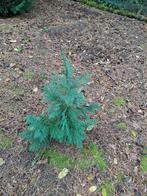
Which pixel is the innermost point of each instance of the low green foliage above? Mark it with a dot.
(28, 75)
(57, 159)
(107, 188)
(45, 29)
(18, 90)
(43, 76)
(121, 125)
(86, 159)
(15, 6)
(143, 164)
(5, 142)
(92, 156)
(98, 156)
(119, 102)
(6, 27)
(120, 177)
(19, 50)
(66, 118)
(85, 163)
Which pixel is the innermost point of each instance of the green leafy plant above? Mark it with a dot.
(66, 118)
(107, 188)
(98, 156)
(5, 142)
(119, 102)
(57, 159)
(15, 6)
(121, 125)
(87, 158)
(143, 164)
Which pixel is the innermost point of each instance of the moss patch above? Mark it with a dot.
(5, 142)
(119, 102)
(87, 158)
(121, 126)
(59, 160)
(6, 27)
(18, 90)
(107, 188)
(98, 156)
(28, 75)
(143, 164)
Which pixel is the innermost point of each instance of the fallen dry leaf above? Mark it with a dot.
(63, 173)
(92, 189)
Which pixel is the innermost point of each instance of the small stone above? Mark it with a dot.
(12, 65)
(35, 89)
(115, 161)
(92, 189)
(30, 57)
(140, 111)
(2, 162)
(13, 41)
(7, 80)
(63, 173)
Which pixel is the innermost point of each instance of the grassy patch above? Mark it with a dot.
(43, 76)
(59, 160)
(119, 102)
(112, 111)
(121, 126)
(45, 30)
(98, 156)
(18, 90)
(28, 75)
(87, 158)
(6, 27)
(85, 163)
(120, 177)
(107, 188)
(143, 164)
(5, 142)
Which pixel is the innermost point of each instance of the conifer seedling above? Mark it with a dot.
(15, 6)
(66, 118)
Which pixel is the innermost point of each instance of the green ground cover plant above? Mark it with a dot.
(5, 142)
(86, 158)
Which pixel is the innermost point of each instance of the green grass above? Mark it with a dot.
(119, 102)
(87, 158)
(28, 75)
(98, 156)
(107, 188)
(121, 126)
(105, 7)
(43, 76)
(143, 164)
(59, 160)
(18, 90)
(6, 27)
(5, 142)
(120, 177)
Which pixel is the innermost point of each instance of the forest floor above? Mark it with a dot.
(113, 49)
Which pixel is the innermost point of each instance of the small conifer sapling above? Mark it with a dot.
(14, 7)
(66, 118)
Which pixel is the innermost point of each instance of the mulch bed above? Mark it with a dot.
(112, 49)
